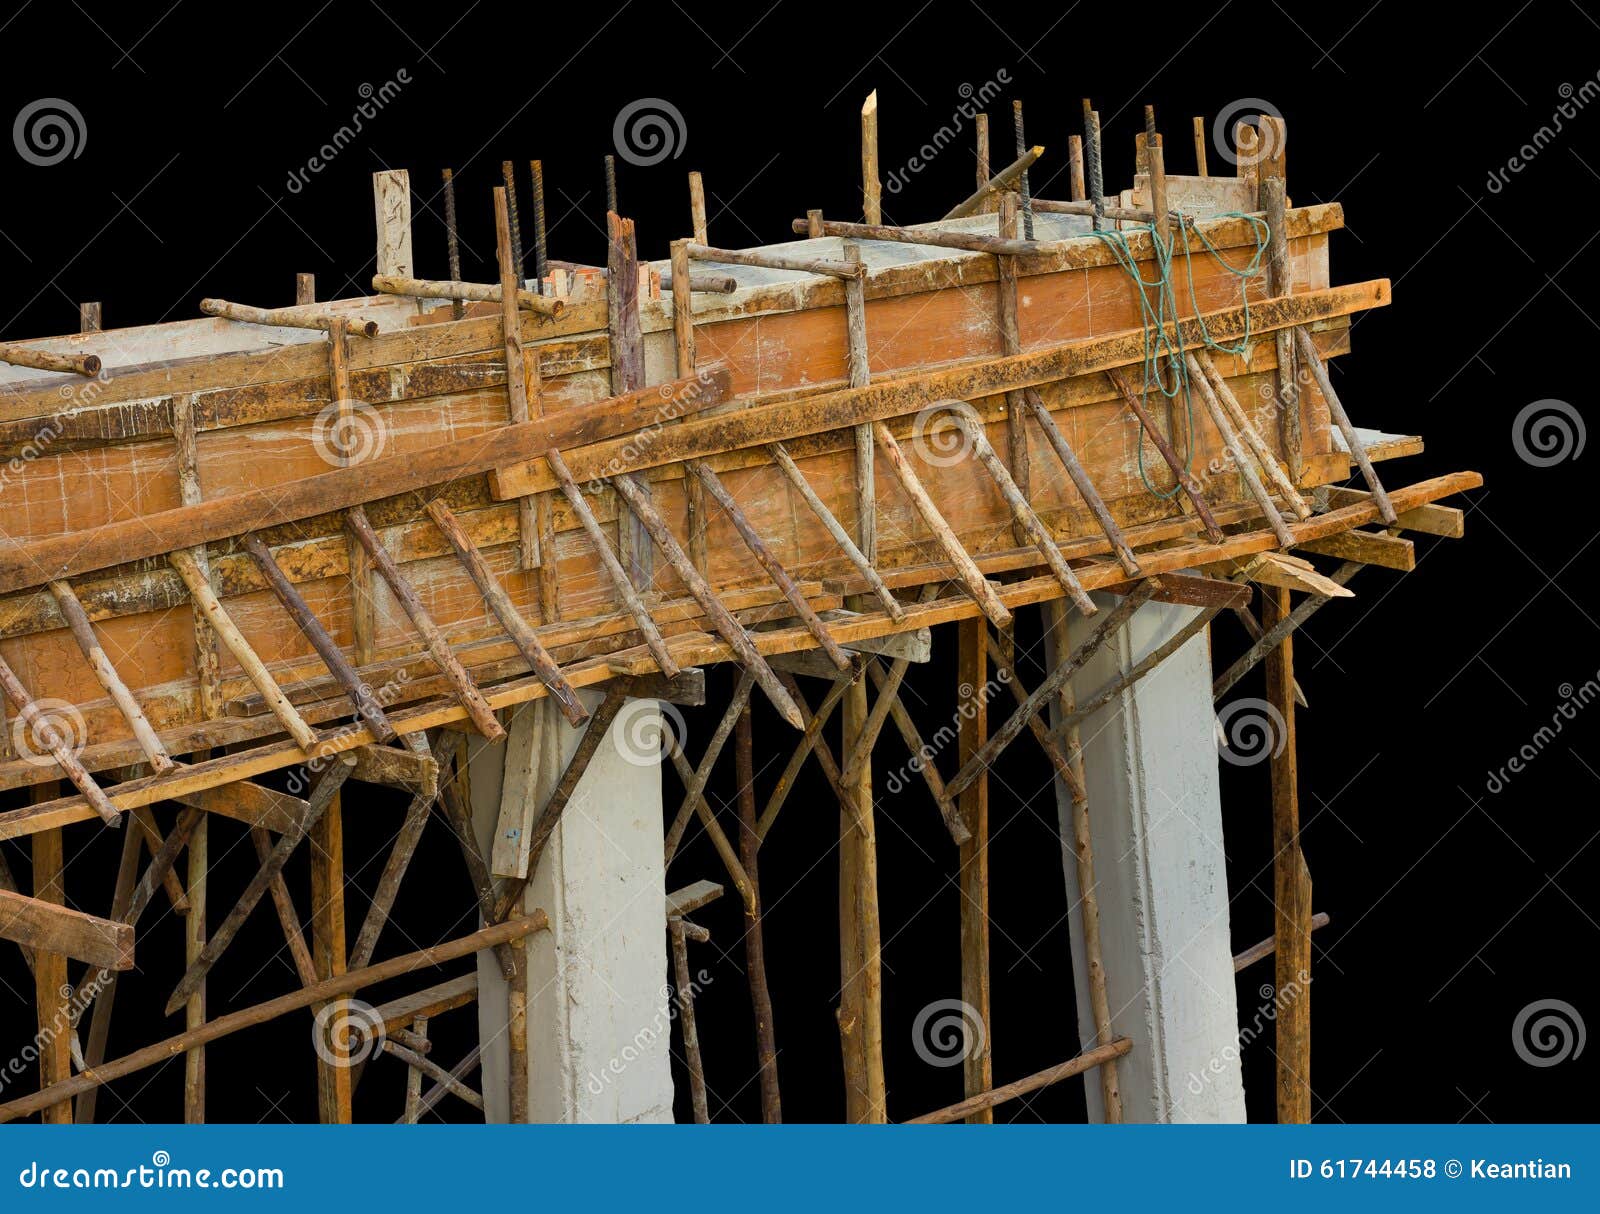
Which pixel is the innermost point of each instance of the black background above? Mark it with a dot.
(1453, 907)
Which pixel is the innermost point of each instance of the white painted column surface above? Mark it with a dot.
(598, 1025)
(1155, 812)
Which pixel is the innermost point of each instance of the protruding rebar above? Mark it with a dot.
(458, 309)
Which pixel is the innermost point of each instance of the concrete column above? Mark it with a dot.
(1155, 811)
(598, 1024)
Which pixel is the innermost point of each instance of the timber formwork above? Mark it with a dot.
(335, 538)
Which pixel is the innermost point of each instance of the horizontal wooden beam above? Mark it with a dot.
(1039, 1079)
(1369, 547)
(476, 292)
(1432, 519)
(103, 943)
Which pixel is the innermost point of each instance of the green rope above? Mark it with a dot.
(1160, 317)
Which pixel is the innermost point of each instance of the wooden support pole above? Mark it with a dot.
(320, 802)
(755, 952)
(359, 693)
(964, 1109)
(1264, 456)
(721, 619)
(1291, 883)
(288, 917)
(335, 1083)
(1075, 168)
(51, 992)
(977, 764)
(860, 370)
(686, 1020)
(228, 633)
(694, 783)
(46, 360)
(623, 328)
(46, 731)
(1006, 179)
(1263, 949)
(521, 633)
(1273, 634)
(1312, 360)
(1191, 486)
(48, 925)
(1280, 281)
(697, 208)
(620, 582)
(466, 691)
(775, 570)
(1011, 343)
(1024, 195)
(1200, 147)
(194, 943)
(966, 569)
(1057, 206)
(871, 183)
(981, 152)
(975, 242)
(949, 812)
(767, 260)
(519, 371)
(89, 318)
(684, 350)
(325, 989)
(835, 529)
(1230, 442)
(1027, 522)
(391, 204)
(1158, 189)
(394, 870)
(106, 675)
(809, 740)
(860, 1012)
(1087, 708)
(972, 677)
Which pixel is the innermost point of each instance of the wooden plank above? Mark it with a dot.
(1431, 519)
(38, 923)
(692, 897)
(1368, 547)
(429, 1002)
(36, 562)
(391, 201)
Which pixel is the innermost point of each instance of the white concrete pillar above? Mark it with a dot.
(1155, 812)
(598, 1025)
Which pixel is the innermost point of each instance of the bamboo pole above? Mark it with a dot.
(322, 991)
(466, 691)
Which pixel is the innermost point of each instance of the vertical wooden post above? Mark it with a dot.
(89, 318)
(627, 375)
(194, 941)
(683, 343)
(1280, 281)
(1200, 147)
(972, 673)
(860, 962)
(871, 186)
(362, 576)
(866, 494)
(755, 951)
(1291, 882)
(1075, 167)
(51, 992)
(328, 955)
(305, 289)
(391, 202)
(697, 208)
(1011, 343)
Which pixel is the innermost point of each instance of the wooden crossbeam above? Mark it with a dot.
(518, 629)
(1368, 547)
(466, 691)
(963, 1109)
(289, 318)
(321, 797)
(60, 929)
(1431, 519)
(360, 694)
(475, 292)
(775, 261)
